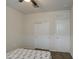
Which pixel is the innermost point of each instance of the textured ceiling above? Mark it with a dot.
(45, 5)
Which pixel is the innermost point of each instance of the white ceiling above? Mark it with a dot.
(45, 5)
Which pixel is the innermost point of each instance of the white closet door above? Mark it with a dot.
(41, 33)
(62, 38)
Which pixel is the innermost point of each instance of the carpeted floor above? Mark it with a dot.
(58, 55)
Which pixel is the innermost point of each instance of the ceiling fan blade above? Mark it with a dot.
(21, 0)
(34, 3)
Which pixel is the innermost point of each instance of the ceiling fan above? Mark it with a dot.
(33, 2)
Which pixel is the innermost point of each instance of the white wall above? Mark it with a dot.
(14, 28)
(20, 30)
(59, 29)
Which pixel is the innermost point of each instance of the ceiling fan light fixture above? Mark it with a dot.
(27, 0)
